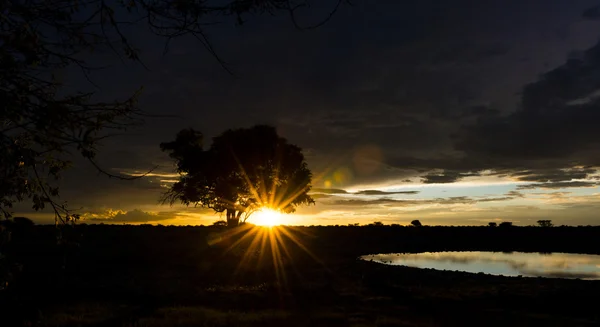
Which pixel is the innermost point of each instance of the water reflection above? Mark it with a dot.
(556, 265)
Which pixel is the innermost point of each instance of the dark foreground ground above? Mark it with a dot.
(202, 276)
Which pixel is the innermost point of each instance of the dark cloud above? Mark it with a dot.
(555, 126)
(380, 201)
(476, 111)
(445, 177)
(407, 203)
(325, 193)
(515, 194)
(592, 13)
(318, 196)
(556, 185)
(553, 175)
(504, 198)
(553, 195)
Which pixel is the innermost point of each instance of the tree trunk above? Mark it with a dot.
(232, 219)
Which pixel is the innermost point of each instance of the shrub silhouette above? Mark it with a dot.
(220, 223)
(416, 223)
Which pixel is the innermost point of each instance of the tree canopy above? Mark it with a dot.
(42, 124)
(545, 223)
(243, 171)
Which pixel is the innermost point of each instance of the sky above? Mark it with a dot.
(451, 112)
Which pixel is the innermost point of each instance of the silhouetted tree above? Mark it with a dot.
(416, 223)
(545, 223)
(244, 170)
(41, 122)
(505, 224)
(492, 224)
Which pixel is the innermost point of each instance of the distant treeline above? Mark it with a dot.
(396, 238)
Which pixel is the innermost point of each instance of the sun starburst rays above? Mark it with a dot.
(266, 192)
(276, 249)
(266, 244)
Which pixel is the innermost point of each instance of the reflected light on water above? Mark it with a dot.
(553, 265)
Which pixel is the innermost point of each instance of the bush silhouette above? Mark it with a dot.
(416, 223)
(220, 223)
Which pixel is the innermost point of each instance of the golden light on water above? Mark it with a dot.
(267, 217)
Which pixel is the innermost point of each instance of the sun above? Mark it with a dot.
(267, 217)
